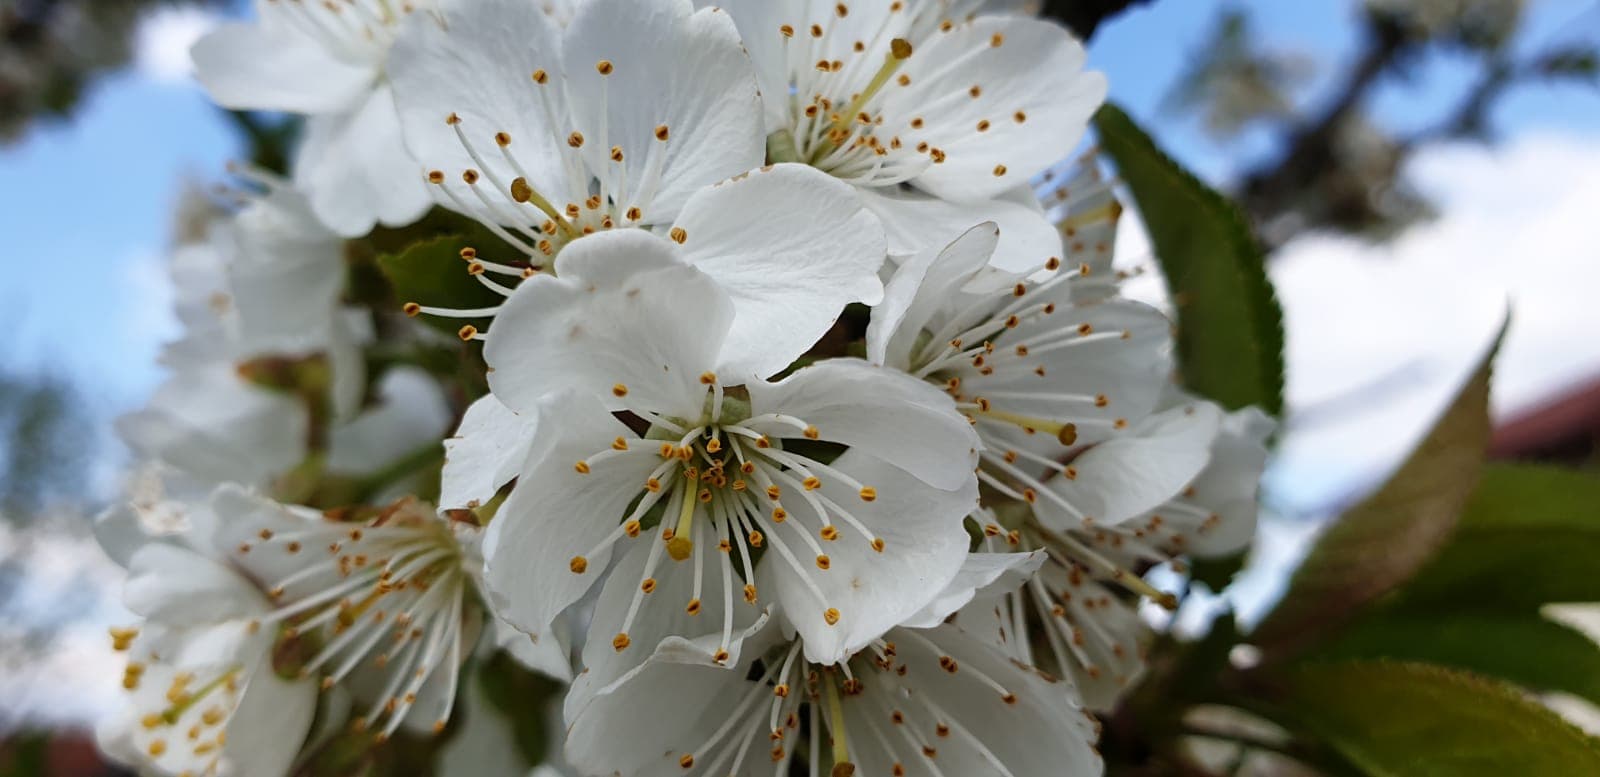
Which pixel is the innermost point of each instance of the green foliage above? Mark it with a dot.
(1384, 540)
(25, 754)
(1395, 719)
(1528, 537)
(1230, 328)
(431, 272)
(526, 699)
(1524, 649)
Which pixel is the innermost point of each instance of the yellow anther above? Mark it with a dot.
(122, 638)
(578, 565)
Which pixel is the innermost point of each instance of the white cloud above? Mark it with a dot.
(161, 48)
(1380, 335)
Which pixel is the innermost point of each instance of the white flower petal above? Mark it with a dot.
(612, 327)
(268, 68)
(356, 169)
(663, 712)
(176, 585)
(919, 287)
(242, 517)
(667, 66)
(119, 533)
(900, 420)
(548, 656)
(792, 246)
(270, 722)
(489, 449)
(1053, 111)
(211, 423)
(557, 514)
(662, 630)
(759, 22)
(915, 220)
(924, 546)
(1037, 732)
(1127, 476)
(411, 413)
(1122, 354)
(1228, 485)
(981, 575)
(479, 67)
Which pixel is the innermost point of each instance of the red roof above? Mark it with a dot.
(1568, 421)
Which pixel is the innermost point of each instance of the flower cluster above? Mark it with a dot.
(816, 433)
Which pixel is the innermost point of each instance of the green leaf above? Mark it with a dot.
(1230, 328)
(525, 697)
(1384, 540)
(1529, 536)
(1396, 719)
(1525, 649)
(431, 272)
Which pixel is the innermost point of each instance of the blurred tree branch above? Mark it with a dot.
(1085, 16)
(51, 50)
(1338, 169)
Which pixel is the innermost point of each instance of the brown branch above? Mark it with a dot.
(1312, 146)
(1085, 16)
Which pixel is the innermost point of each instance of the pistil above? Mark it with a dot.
(899, 52)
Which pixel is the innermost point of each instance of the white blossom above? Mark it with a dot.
(924, 699)
(205, 696)
(384, 603)
(715, 455)
(938, 111)
(545, 135)
(1201, 503)
(1038, 373)
(328, 61)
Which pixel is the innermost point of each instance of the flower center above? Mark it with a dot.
(361, 29)
(836, 109)
(392, 591)
(731, 483)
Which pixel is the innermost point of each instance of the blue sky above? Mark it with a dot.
(85, 206)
